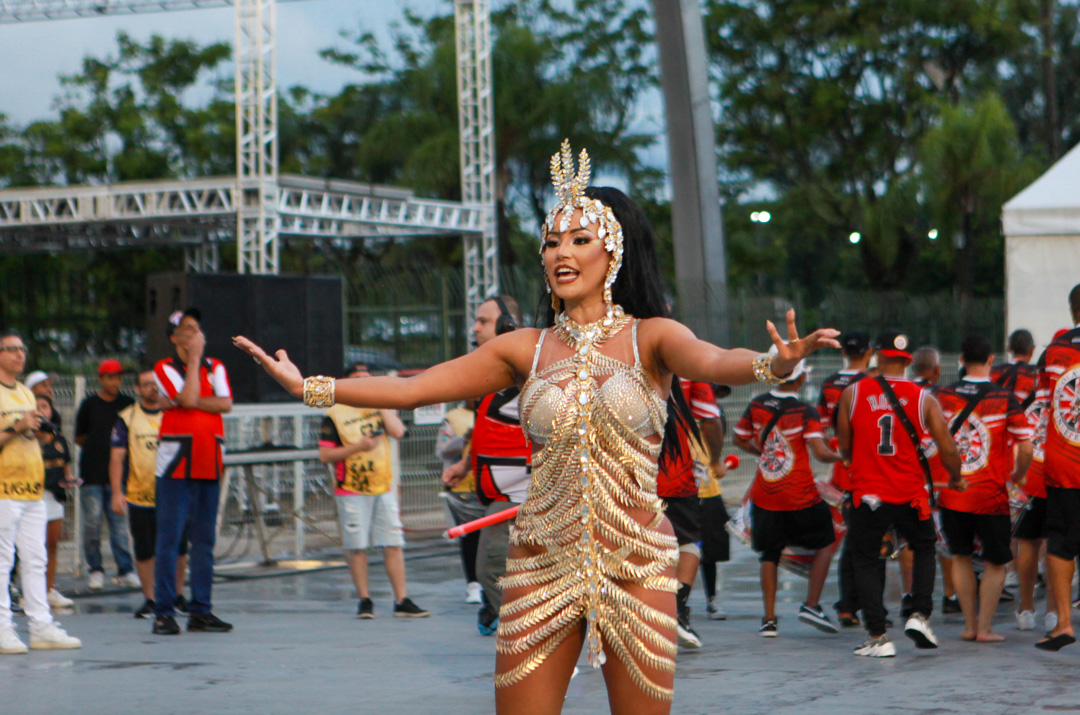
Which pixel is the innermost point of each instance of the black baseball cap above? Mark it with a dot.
(178, 315)
(892, 343)
(855, 342)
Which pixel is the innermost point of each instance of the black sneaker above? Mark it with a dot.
(487, 620)
(208, 623)
(1006, 596)
(687, 636)
(407, 609)
(768, 628)
(366, 609)
(814, 616)
(906, 607)
(181, 604)
(950, 606)
(165, 626)
(147, 609)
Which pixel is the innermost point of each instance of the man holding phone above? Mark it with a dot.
(355, 440)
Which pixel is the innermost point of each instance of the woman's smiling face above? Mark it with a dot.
(576, 261)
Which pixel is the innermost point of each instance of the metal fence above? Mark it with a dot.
(287, 507)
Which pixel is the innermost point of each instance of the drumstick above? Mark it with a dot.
(731, 462)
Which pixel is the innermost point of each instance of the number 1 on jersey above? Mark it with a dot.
(885, 446)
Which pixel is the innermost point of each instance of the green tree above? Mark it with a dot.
(826, 104)
(971, 164)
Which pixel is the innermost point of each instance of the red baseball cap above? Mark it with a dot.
(110, 367)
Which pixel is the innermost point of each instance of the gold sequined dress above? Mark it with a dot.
(591, 518)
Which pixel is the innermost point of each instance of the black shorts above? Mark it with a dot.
(1063, 522)
(684, 513)
(1031, 524)
(715, 540)
(993, 530)
(772, 531)
(143, 521)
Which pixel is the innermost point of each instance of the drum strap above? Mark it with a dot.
(905, 422)
(771, 423)
(961, 417)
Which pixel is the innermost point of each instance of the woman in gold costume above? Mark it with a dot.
(592, 557)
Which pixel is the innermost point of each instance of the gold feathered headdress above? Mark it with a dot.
(570, 189)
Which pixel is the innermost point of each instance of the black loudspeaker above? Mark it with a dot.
(300, 314)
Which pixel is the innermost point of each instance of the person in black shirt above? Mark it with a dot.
(56, 456)
(93, 428)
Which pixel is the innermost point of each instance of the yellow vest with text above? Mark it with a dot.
(365, 472)
(142, 445)
(22, 472)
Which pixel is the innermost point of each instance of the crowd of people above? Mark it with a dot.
(599, 438)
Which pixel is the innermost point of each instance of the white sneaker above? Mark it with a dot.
(918, 629)
(880, 647)
(59, 600)
(1050, 620)
(10, 643)
(129, 580)
(714, 612)
(52, 637)
(1025, 620)
(1012, 580)
(96, 581)
(473, 592)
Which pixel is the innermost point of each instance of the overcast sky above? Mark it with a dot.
(34, 54)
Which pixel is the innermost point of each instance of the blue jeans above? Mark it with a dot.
(194, 503)
(95, 500)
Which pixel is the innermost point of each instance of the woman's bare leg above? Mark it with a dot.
(625, 697)
(543, 691)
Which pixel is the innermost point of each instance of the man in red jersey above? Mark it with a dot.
(677, 485)
(1059, 386)
(1019, 374)
(985, 420)
(926, 371)
(786, 508)
(881, 424)
(499, 458)
(195, 393)
(1030, 528)
(855, 345)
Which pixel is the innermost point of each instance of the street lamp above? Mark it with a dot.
(855, 237)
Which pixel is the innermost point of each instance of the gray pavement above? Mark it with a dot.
(298, 647)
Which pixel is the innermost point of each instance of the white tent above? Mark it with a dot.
(1042, 250)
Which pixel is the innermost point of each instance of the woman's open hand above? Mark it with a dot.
(280, 367)
(795, 349)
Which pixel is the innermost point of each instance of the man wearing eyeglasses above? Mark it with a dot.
(22, 512)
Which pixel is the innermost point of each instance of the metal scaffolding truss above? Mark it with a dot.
(33, 10)
(150, 212)
(477, 129)
(258, 205)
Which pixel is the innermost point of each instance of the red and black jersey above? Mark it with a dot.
(883, 459)
(192, 441)
(499, 451)
(1035, 477)
(831, 389)
(675, 477)
(1059, 387)
(1018, 377)
(783, 481)
(985, 443)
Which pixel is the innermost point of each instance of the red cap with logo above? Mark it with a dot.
(110, 367)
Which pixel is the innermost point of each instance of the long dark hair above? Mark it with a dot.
(640, 292)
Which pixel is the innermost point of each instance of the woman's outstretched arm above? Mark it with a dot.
(676, 350)
(496, 365)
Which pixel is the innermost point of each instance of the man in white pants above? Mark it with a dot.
(22, 513)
